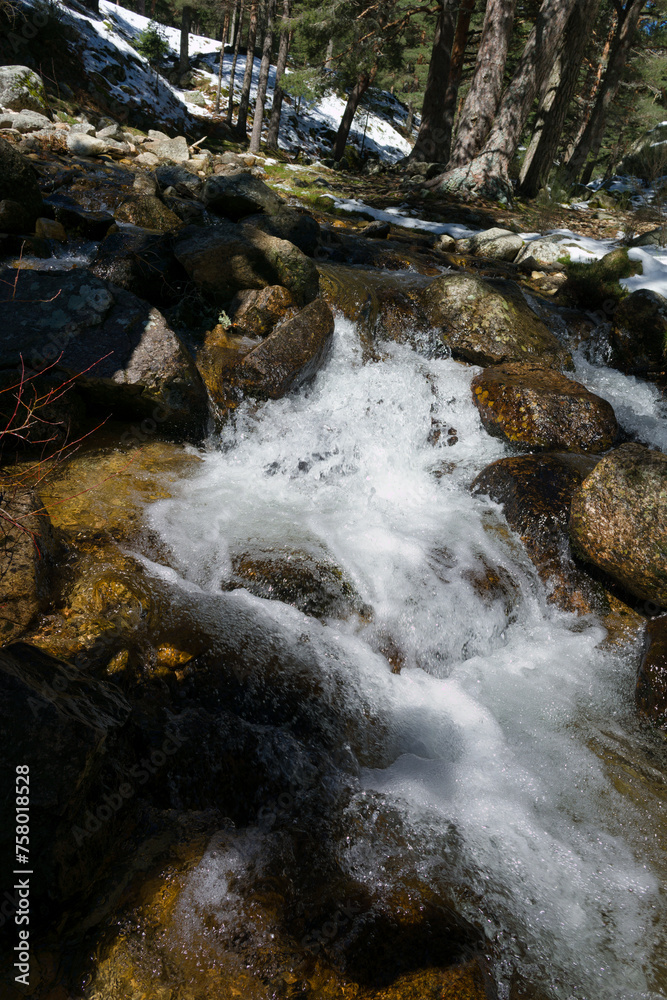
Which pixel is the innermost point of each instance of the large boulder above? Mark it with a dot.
(651, 690)
(488, 322)
(497, 244)
(545, 252)
(18, 184)
(289, 356)
(172, 150)
(528, 404)
(21, 89)
(226, 258)
(256, 311)
(238, 195)
(618, 520)
(24, 121)
(536, 492)
(121, 350)
(28, 558)
(639, 332)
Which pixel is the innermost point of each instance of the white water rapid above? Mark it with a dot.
(509, 722)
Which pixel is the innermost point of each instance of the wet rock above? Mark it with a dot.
(528, 404)
(238, 195)
(77, 220)
(489, 322)
(21, 89)
(313, 586)
(18, 183)
(298, 228)
(639, 332)
(29, 553)
(226, 258)
(221, 351)
(594, 285)
(289, 356)
(141, 262)
(174, 150)
(497, 244)
(148, 212)
(24, 121)
(536, 493)
(651, 690)
(101, 493)
(619, 520)
(256, 312)
(190, 212)
(133, 362)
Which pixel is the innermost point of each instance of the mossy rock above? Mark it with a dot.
(488, 322)
(639, 333)
(596, 285)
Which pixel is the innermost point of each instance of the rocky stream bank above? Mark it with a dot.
(196, 756)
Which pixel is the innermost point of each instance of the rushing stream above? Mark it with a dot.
(506, 748)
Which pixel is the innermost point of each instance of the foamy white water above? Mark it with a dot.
(487, 730)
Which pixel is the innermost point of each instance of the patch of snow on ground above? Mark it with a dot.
(654, 271)
(393, 215)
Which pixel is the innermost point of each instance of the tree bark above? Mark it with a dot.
(232, 72)
(361, 86)
(263, 80)
(277, 105)
(223, 35)
(242, 120)
(435, 132)
(482, 100)
(184, 58)
(591, 139)
(456, 68)
(488, 174)
(553, 110)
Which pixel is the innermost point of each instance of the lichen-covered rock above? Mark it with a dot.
(173, 150)
(651, 690)
(497, 244)
(28, 557)
(639, 332)
(488, 322)
(528, 404)
(289, 356)
(24, 121)
(546, 251)
(21, 89)
(619, 520)
(85, 145)
(18, 184)
(536, 492)
(226, 258)
(121, 350)
(148, 212)
(238, 195)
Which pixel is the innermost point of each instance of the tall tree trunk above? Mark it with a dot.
(481, 103)
(277, 105)
(242, 120)
(232, 25)
(223, 35)
(184, 58)
(592, 86)
(591, 140)
(435, 132)
(232, 72)
(329, 55)
(361, 86)
(263, 80)
(488, 174)
(543, 147)
(456, 68)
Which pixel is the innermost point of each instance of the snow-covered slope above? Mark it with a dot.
(110, 58)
